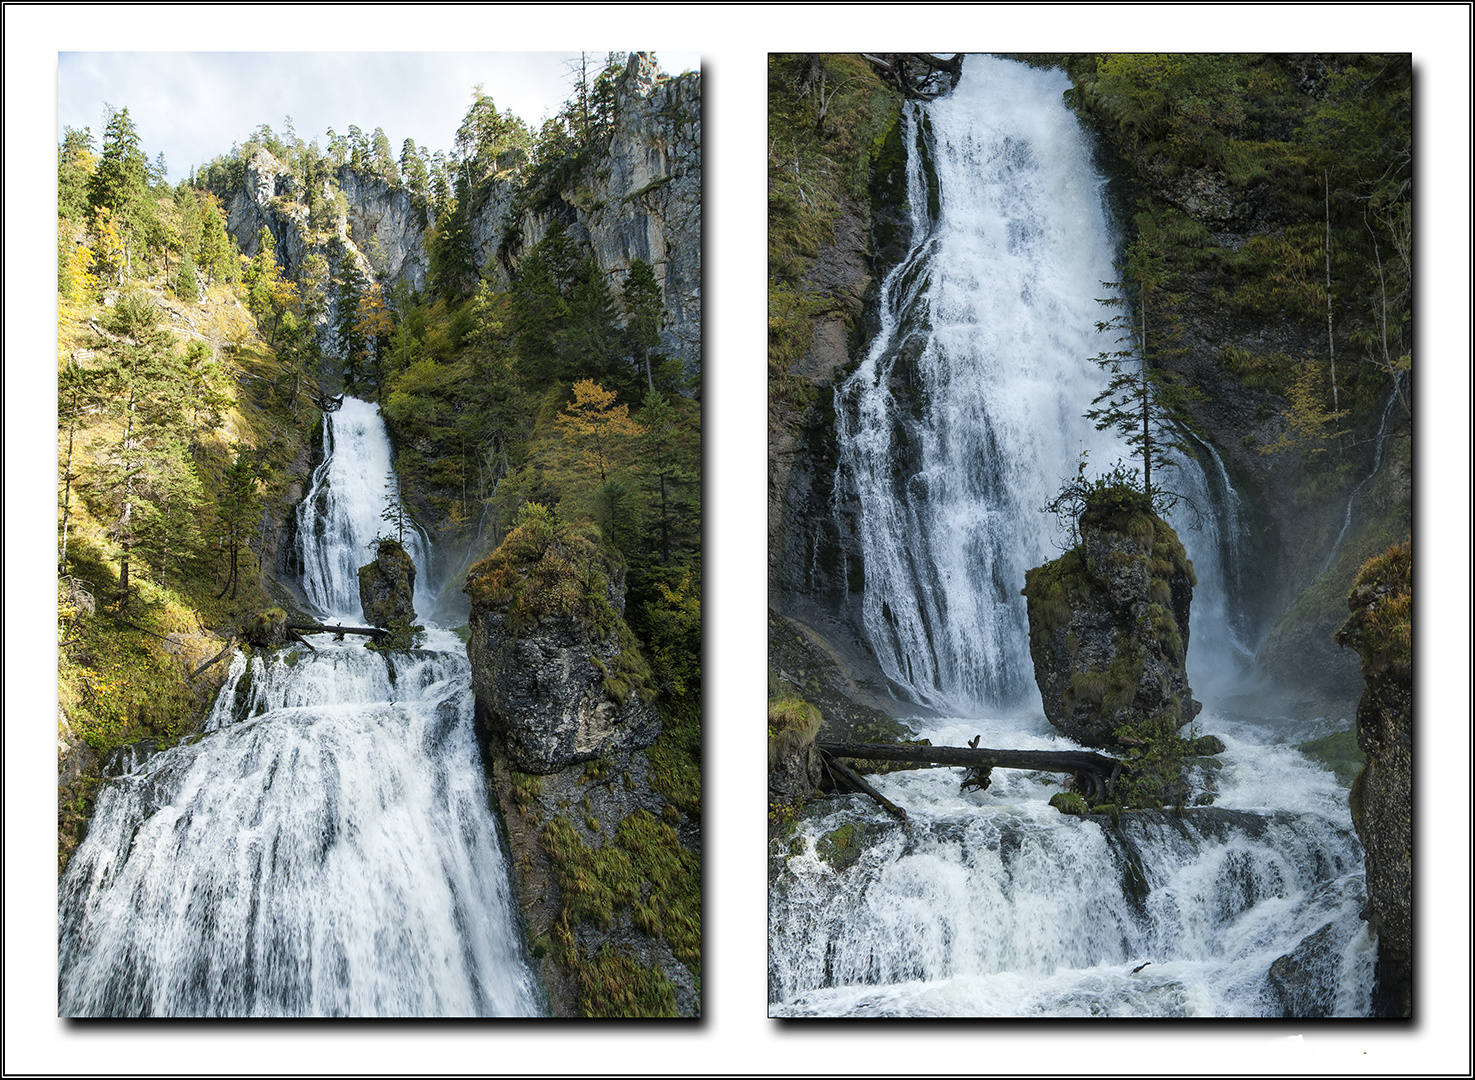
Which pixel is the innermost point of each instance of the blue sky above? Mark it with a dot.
(191, 106)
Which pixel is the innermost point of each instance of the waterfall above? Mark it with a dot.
(958, 425)
(327, 847)
(345, 510)
(966, 413)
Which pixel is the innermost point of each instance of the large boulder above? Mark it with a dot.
(1380, 628)
(387, 586)
(557, 674)
(1108, 626)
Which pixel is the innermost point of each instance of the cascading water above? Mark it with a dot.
(966, 415)
(345, 510)
(327, 848)
(958, 426)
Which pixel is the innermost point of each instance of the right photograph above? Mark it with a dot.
(1090, 673)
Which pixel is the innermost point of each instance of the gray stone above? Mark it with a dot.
(387, 586)
(544, 696)
(1109, 631)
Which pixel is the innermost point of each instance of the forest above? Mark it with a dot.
(194, 367)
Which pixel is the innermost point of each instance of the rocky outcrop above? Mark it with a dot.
(1108, 626)
(604, 838)
(1380, 629)
(558, 676)
(642, 199)
(387, 586)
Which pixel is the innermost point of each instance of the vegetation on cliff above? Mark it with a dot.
(528, 401)
(830, 119)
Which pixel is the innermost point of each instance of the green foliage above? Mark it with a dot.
(1381, 624)
(1144, 400)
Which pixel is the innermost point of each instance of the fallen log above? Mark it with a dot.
(375, 632)
(854, 779)
(1096, 774)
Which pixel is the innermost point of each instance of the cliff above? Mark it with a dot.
(1380, 629)
(605, 860)
(642, 200)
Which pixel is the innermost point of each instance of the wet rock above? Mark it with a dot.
(1109, 627)
(387, 586)
(1380, 629)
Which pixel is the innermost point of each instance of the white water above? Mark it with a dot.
(998, 303)
(327, 848)
(993, 903)
(345, 511)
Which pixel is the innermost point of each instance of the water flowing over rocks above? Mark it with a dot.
(1109, 625)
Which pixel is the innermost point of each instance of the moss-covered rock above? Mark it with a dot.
(387, 586)
(557, 673)
(1380, 628)
(1109, 626)
(793, 763)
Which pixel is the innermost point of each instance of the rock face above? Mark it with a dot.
(555, 671)
(643, 200)
(1108, 626)
(1382, 795)
(544, 692)
(387, 586)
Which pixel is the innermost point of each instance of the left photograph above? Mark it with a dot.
(379, 535)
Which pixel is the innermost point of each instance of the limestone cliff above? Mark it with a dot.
(1380, 630)
(642, 200)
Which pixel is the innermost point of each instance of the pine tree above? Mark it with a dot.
(147, 386)
(120, 181)
(643, 305)
(1144, 401)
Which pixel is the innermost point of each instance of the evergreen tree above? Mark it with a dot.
(1144, 401)
(120, 181)
(75, 165)
(352, 348)
(145, 382)
(643, 306)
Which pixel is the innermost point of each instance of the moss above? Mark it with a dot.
(615, 985)
(543, 567)
(792, 722)
(841, 847)
(1068, 802)
(643, 869)
(1381, 624)
(1339, 753)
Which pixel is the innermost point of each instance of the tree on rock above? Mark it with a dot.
(1144, 401)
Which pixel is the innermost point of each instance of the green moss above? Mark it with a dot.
(612, 985)
(1381, 624)
(1338, 752)
(545, 566)
(1068, 802)
(642, 869)
(792, 722)
(841, 847)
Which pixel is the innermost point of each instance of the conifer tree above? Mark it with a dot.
(120, 181)
(1144, 401)
(642, 298)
